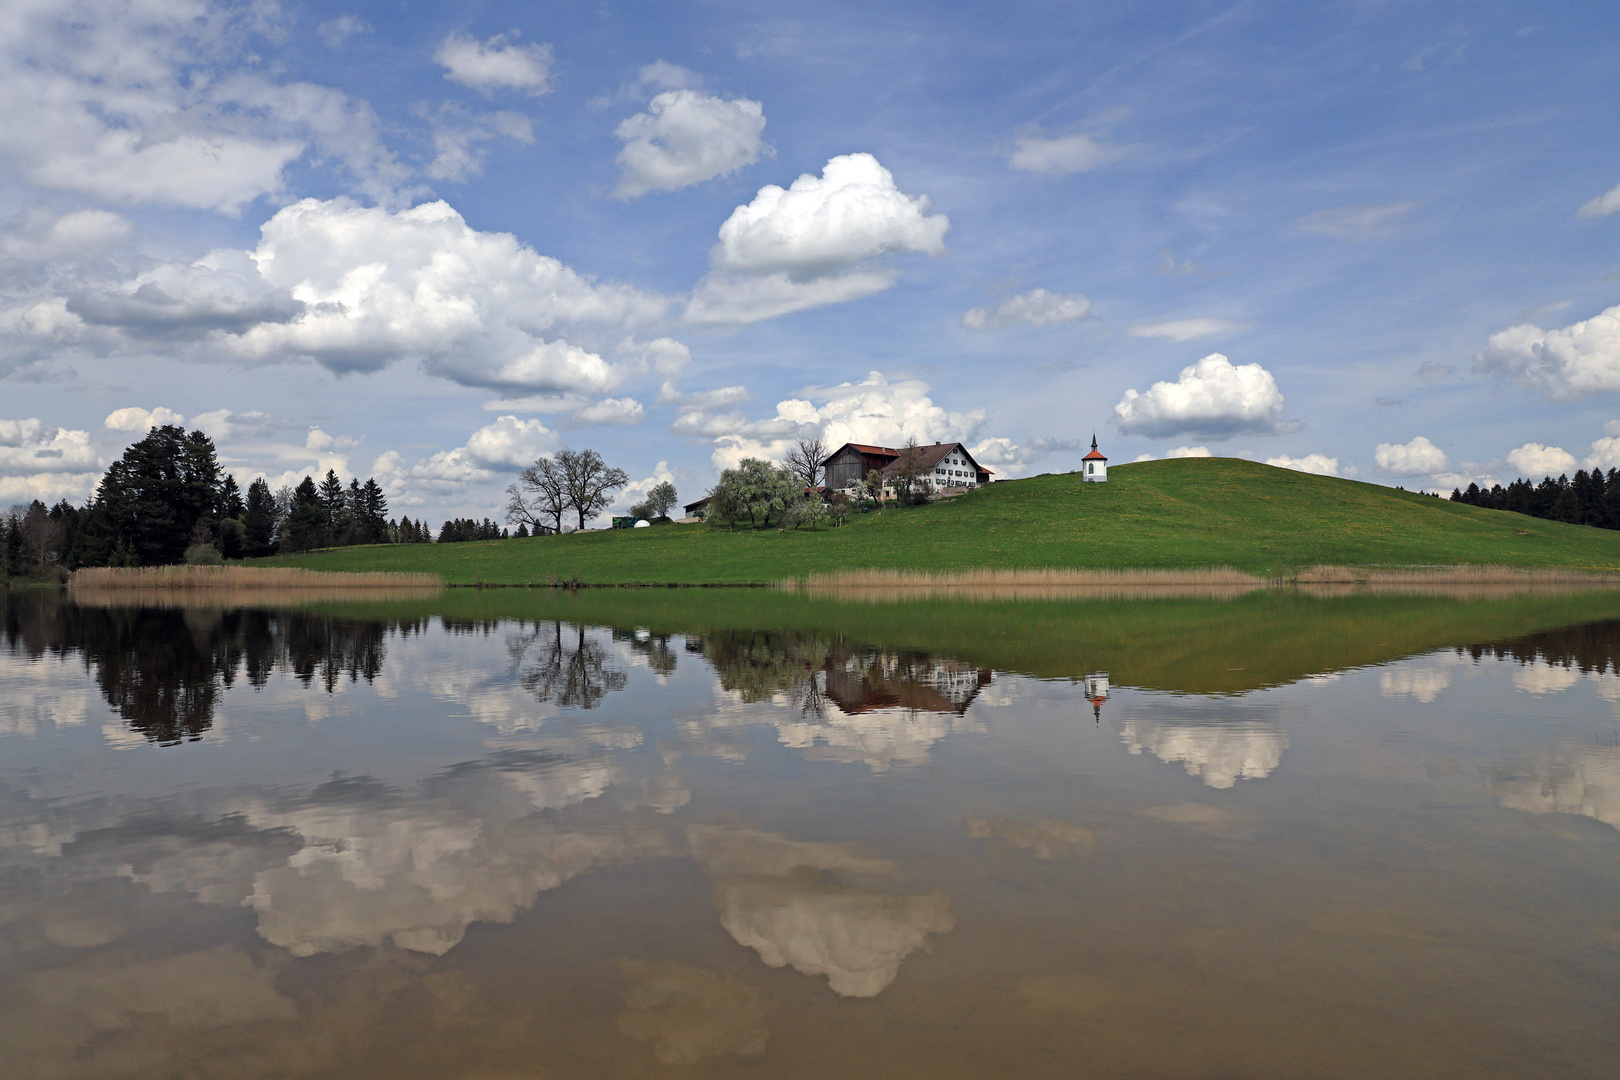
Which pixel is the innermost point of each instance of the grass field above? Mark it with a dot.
(1188, 512)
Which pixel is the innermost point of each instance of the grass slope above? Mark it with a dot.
(1181, 513)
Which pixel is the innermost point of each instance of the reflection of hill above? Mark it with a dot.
(1186, 646)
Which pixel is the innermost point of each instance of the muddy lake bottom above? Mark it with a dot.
(504, 837)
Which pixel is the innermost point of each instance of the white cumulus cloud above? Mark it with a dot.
(1534, 459)
(1583, 358)
(1213, 398)
(874, 410)
(1420, 457)
(511, 442)
(686, 137)
(153, 102)
(46, 463)
(358, 288)
(1320, 464)
(496, 64)
(1014, 459)
(1037, 306)
(813, 243)
(610, 411)
(135, 418)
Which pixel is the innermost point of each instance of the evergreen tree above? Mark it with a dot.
(332, 501)
(151, 499)
(307, 520)
(259, 520)
(374, 512)
(230, 499)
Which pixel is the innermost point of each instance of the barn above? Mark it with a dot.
(942, 465)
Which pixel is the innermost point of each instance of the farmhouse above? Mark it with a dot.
(940, 466)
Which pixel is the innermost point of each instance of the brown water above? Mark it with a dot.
(283, 844)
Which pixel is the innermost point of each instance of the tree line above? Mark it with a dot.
(167, 500)
(1590, 498)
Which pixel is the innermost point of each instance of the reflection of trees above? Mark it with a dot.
(759, 664)
(655, 647)
(1594, 647)
(557, 662)
(165, 669)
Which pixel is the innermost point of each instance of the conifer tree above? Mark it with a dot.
(259, 520)
(307, 519)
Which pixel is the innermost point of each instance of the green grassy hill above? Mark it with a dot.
(1181, 513)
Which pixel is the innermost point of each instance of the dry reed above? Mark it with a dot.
(1207, 583)
(241, 579)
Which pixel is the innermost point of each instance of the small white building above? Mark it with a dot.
(1094, 466)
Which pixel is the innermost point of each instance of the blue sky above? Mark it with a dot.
(428, 242)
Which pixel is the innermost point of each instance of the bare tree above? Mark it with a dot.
(807, 459)
(542, 511)
(908, 470)
(589, 483)
(41, 537)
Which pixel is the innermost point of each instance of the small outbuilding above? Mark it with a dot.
(1094, 466)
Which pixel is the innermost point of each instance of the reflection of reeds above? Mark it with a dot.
(1204, 583)
(259, 579)
(227, 598)
(1449, 575)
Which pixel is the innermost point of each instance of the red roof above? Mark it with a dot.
(1094, 456)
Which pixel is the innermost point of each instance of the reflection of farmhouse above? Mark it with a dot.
(872, 681)
(941, 467)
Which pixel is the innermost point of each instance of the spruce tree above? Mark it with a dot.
(308, 517)
(331, 497)
(259, 520)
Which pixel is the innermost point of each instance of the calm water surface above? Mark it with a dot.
(526, 836)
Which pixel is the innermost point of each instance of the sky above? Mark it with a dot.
(428, 243)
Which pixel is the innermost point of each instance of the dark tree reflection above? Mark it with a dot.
(165, 669)
(558, 662)
(1594, 647)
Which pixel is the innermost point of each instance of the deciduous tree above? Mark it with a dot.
(806, 459)
(589, 482)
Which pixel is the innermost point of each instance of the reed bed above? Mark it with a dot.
(241, 579)
(1201, 583)
(1510, 576)
(1037, 577)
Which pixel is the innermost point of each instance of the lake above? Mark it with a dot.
(671, 833)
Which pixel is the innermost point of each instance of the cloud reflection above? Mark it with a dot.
(792, 903)
(1216, 742)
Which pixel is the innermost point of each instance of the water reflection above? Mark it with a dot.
(519, 846)
(564, 665)
(166, 670)
(1219, 742)
(816, 907)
